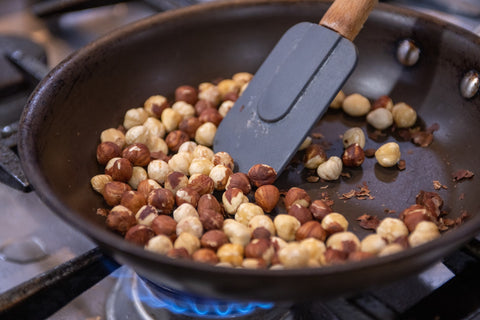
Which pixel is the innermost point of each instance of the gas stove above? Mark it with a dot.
(49, 270)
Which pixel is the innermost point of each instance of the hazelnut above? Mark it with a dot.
(107, 150)
(155, 105)
(236, 232)
(246, 211)
(373, 243)
(260, 233)
(224, 159)
(188, 241)
(210, 115)
(384, 102)
(190, 126)
(202, 105)
(113, 192)
(191, 225)
(211, 219)
(300, 212)
(162, 199)
(391, 248)
(171, 119)
(120, 219)
(305, 144)
(293, 256)
(424, 232)
(338, 100)
(209, 91)
(200, 166)
(391, 229)
(343, 241)
(165, 225)
(139, 174)
(260, 249)
(146, 186)
(203, 152)
(175, 181)
(286, 226)
(134, 117)
(178, 253)
(137, 134)
(213, 239)
(380, 118)
(359, 256)
(252, 263)
(146, 214)
(187, 195)
(262, 174)
(311, 229)
(319, 209)
(159, 244)
(188, 146)
(183, 211)
(267, 197)
(226, 106)
(262, 221)
(354, 135)
(158, 148)
(208, 201)
(356, 105)
(316, 251)
(227, 86)
(330, 169)
(232, 199)
(175, 139)
(205, 134)
(220, 175)
(231, 253)
(415, 214)
(155, 127)
(353, 156)
(99, 181)
(201, 183)
(334, 222)
(120, 169)
(242, 77)
(314, 156)
(180, 162)
(113, 135)
(404, 115)
(296, 195)
(388, 154)
(333, 257)
(241, 181)
(133, 200)
(186, 93)
(139, 235)
(158, 170)
(186, 110)
(205, 255)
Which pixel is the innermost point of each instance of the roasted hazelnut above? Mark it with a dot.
(187, 195)
(227, 86)
(356, 105)
(232, 199)
(316, 251)
(260, 249)
(186, 93)
(209, 202)
(171, 119)
(186, 110)
(200, 166)
(188, 241)
(301, 213)
(338, 100)
(113, 192)
(155, 127)
(188, 146)
(106, 151)
(159, 244)
(334, 222)
(391, 229)
(319, 209)
(146, 186)
(175, 181)
(384, 102)
(262, 174)
(236, 232)
(202, 105)
(190, 126)
(205, 255)
(162, 199)
(391, 248)
(120, 219)
(330, 169)
(404, 115)
(220, 174)
(415, 214)
(305, 144)
(343, 241)
(133, 200)
(201, 183)
(191, 225)
(203, 152)
(286, 226)
(175, 139)
(253, 263)
(311, 229)
(139, 235)
(146, 214)
(296, 195)
(373, 243)
(314, 156)
(226, 106)
(333, 257)
(155, 105)
(224, 159)
(139, 174)
(424, 232)
(262, 221)
(205, 134)
(165, 225)
(240, 181)
(210, 115)
(353, 156)
(246, 211)
(267, 197)
(380, 118)
(113, 135)
(359, 256)
(158, 170)
(211, 219)
(242, 77)
(99, 181)
(213, 239)
(178, 253)
(120, 169)
(354, 135)
(260, 233)
(183, 211)
(180, 162)
(294, 256)
(231, 253)
(388, 154)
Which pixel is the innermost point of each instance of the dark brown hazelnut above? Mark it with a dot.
(210, 115)
(113, 192)
(260, 249)
(319, 209)
(178, 253)
(232, 96)
(107, 151)
(240, 181)
(210, 219)
(205, 255)
(190, 126)
(159, 155)
(296, 195)
(121, 170)
(186, 93)
(165, 225)
(201, 183)
(333, 256)
(360, 255)
(187, 195)
(138, 154)
(139, 234)
(353, 156)
(311, 229)
(145, 186)
(300, 212)
(267, 197)
(213, 239)
(262, 174)
(201, 105)
(162, 199)
(261, 233)
(133, 200)
(175, 181)
(120, 219)
(175, 139)
(431, 200)
(209, 202)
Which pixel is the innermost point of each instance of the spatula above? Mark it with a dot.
(293, 88)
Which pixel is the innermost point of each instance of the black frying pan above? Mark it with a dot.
(92, 89)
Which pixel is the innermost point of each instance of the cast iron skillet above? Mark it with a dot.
(91, 90)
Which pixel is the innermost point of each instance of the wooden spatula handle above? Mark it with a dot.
(347, 16)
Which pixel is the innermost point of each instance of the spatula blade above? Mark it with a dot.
(287, 96)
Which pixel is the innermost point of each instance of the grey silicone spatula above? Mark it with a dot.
(292, 88)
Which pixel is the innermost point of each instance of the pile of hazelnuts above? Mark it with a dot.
(167, 191)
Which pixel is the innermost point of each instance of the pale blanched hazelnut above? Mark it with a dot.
(294, 255)
(344, 241)
(352, 136)
(338, 100)
(188, 146)
(380, 118)
(155, 127)
(225, 107)
(373, 243)
(388, 154)
(180, 162)
(200, 166)
(171, 119)
(231, 253)
(286, 226)
(137, 134)
(316, 251)
(190, 224)
(220, 174)
(356, 105)
(391, 248)
(209, 92)
(203, 152)
(188, 241)
(262, 221)
(113, 135)
(305, 144)
(159, 244)
(158, 170)
(253, 263)
(186, 110)
(205, 134)
(424, 232)
(99, 181)
(232, 199)
(155, 105)
(404, 115)
(391, 229)
(237, 232)
(134, 117)
(334, 222)
(246, 211)
(228, 86)
(138, 175)
(224, 159)
(330, 169)
(157, 144)
(184, 210)
(242, 77)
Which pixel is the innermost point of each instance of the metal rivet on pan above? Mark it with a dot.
(408, 53)
(470, 84)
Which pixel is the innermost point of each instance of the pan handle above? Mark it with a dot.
(347, 16)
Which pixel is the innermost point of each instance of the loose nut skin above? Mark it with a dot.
(113, 192)
(296, 195)
(166, 226)
(353, 156)
(431, 200)
(311, 229)
(262, 174)
(106, 151)
(414, 215)
(267, 197)
(139, 235)
(162, 199)
(241, 181)
(213, 239)
(319, 209)
(120, 219)
(138, 154)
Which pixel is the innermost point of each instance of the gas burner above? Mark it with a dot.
(138, 298)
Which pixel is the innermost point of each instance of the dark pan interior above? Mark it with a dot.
(91, 90)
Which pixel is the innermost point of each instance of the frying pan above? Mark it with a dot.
(91, 90)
